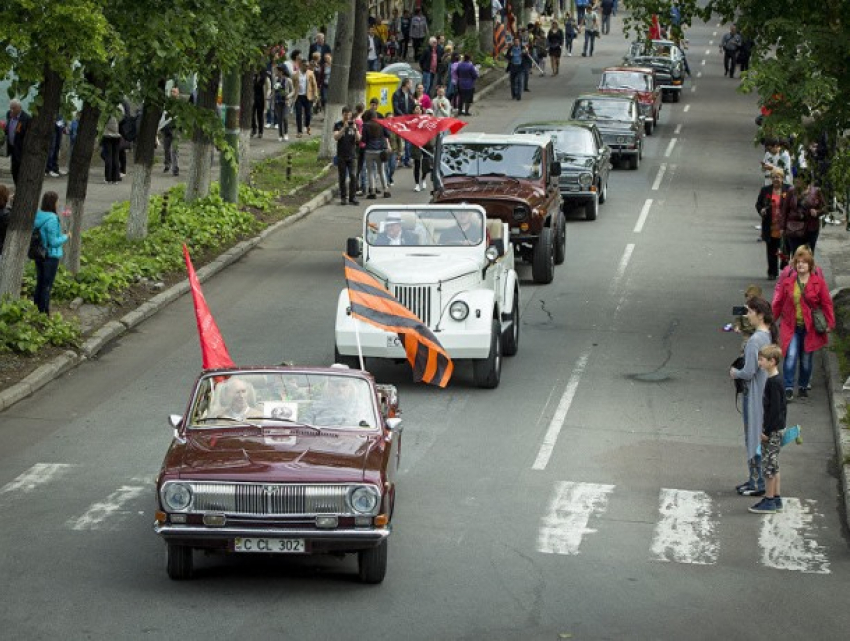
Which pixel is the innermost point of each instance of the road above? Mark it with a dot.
(591, 495)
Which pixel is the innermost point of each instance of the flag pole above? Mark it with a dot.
(357, 338)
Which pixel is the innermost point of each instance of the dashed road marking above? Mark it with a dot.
(658, 177)
(786, 540)
(38, 475)
(570, 510)
(678, 129)
(107, 514)
(686, 532)
(670, 146)
(687, 108)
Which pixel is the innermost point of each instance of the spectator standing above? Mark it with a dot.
(347, 138)
(773, 204)
(319, 46)
(607, 9)
(50, 230)
(591, 30)
(17, 125)
(800, 295)
(771, 433)
(555, 43)
(403, 104)
(775, 157)
(760, 318)
(811, 205)
(170, 137)
(429, 62)
(515, 58)
(284, 94)
(729, 45)
(404, 39)
(261, 85)
(374, 48)
(111, 141)
(59, 130)
(441, 105)
(418, 31)
(306, 92)
(421, 98)
(467, 75)
(5, 213)
(375, 146)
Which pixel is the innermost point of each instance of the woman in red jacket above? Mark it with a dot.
(774, 204)
(802, 290)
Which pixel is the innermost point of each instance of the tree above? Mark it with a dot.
(485, 27)
(357, 75)
(200, 169)
(338, 89)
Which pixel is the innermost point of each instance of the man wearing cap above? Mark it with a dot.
(393, 234)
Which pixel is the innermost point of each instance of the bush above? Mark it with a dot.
(24, 330)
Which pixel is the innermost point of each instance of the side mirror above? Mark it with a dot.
(352, 247)
(496, 249)
(394, 424)
(555, 169)
(175, 420)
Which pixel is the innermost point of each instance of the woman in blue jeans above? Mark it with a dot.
(52, 238)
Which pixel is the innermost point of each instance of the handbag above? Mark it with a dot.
(819, 321)
(795, 227)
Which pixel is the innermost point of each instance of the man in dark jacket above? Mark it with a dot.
(403, 104)
(429, 62)
(17, 125)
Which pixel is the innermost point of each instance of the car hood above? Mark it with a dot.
(642, 96)
(456, 189)
(608, 126)
(277, 455)
(419, 266)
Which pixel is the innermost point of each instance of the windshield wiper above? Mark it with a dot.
(290, 422)
(228, 419)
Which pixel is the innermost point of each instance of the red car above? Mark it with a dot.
(640, 81)
(281, 460)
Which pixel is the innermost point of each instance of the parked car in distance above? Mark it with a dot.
(668, 61)
(619, 120)
(515, 179)
(641, 82)
(450, 266)
(281, 460)
(585, 161)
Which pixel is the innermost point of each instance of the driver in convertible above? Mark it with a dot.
(237, 400)
(467, 231)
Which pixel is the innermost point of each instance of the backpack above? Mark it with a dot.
(37, 250)
(128, 127)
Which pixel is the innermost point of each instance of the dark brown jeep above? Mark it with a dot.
(515, 179)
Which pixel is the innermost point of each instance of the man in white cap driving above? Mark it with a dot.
(393, 233)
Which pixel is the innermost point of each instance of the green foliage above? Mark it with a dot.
(23, 330)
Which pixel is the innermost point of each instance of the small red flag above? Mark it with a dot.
(213, 349)
(418, 130)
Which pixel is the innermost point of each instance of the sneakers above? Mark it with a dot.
(280, 139)
(789, 395)
(285, 137)
(53, 174)
(777, 503)
(765, 506)
(417, 188)
(424, 185)
(371, 196)
(353, 201)
(740, 489)
(387, 194)
(803, 393)
(342, 202)
(751, 491)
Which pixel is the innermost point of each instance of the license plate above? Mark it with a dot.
(270, 546)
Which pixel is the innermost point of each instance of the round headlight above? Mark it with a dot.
(458, 310)
(585, 179)
(519, 213)
(677, 72)
(177, 496)
(364, 500)
(621, 139)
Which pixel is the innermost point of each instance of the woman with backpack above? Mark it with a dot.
(52, 239)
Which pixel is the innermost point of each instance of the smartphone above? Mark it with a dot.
(739, 310)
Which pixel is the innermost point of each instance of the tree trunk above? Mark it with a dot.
(438, 17)
(200, 169)
(78, 175)
(137, 221)
(357, 76)
(30, 182)
(469, 17)
(246, 103)
(458, 22)
(485, 28)
(338, 89)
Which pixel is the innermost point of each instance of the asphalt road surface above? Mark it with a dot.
(591, 494)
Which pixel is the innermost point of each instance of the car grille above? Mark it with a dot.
(569, 181)
(417, 299)
(264, 499)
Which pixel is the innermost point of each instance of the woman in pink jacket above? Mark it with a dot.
(802, 290)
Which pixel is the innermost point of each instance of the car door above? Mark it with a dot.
(553, 191)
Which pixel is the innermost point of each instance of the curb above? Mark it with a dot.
(115, 329)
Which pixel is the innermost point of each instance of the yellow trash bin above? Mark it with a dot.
(381, 86)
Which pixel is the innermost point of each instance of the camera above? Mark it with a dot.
(739, 310)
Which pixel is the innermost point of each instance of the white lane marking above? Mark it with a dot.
(686, 531)
(699, 74)
(557, 422)
(693, 89)
(711, 42)
(708, 52)
(714, 33)
(670, 146)
(687, 108)
(621, 268)
(678, 130)
(657, 183)
(786, 539)
(572, 505)
(107, 513)
(702, 62)
(644, 212)
(38, 475)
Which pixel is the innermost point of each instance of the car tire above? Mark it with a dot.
(649, 127)
(603, 192)
(179, 561)
(543, 260)
(510, 339)
(353, 362)
(591, 208)
(561, 240)
(372, 563)
(488, 371)
(634, 161)
(677, 95)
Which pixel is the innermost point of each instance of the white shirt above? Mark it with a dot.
(302, 84)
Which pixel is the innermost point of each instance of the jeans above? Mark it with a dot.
(729, 61)
(755, 478)
(110, 159)
(391, 164)
(606, 23)
(45, 274)
(347, 178)
(795, 353)
(589, 37)
(375, 171)
(282, 117)
(427, 79)
(373, 65)
(516, 82)
(303, 110)
(771, 246)
(55, 145)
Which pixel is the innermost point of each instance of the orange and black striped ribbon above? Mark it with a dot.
(372, 303)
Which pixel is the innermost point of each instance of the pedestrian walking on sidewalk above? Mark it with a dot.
(570, 33)
(774, 203)
(729, 46)
(591, 31)
(607, 10)
(170, 136)
(555, 42)
(760, 316)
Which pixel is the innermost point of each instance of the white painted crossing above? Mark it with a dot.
(570, 511)
(786, 539)
(110, 512)
(35, 477)
(686, 531)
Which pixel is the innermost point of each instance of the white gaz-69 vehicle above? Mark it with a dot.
(451, 267)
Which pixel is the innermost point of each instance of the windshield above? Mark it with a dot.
(567, 142)
(258, 398)
(513, 161)
(424, 227)
(602, 110)
(626, 80)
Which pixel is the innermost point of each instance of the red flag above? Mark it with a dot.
(418, 130)
(655, 29)
(213, 349)
(372, 303)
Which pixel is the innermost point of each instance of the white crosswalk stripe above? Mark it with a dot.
(570, 510)
(109, 513)
(685, 532)
(38, 475)
(786, 540)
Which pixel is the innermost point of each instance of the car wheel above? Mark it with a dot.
(561, 240)
(603, 192)
(543, 260)
(591, 208)
(352, 362)
(178, 561)
(677, 95)
(648, 127)
(372, 563)
(488, 371)
(510, 339)
(634, 161)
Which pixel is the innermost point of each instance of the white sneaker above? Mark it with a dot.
(424, 185)
(570, 53)
(285, 137)
(417, 188)
(63, 172)
(53, 174)
(280, 139)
